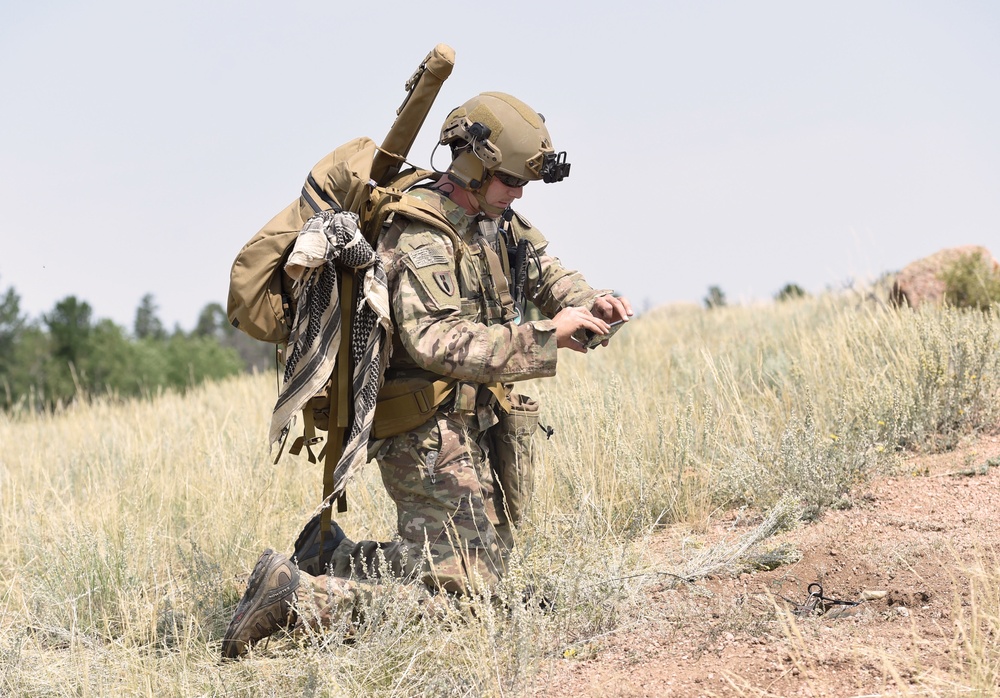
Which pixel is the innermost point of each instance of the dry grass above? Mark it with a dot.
(125, 528)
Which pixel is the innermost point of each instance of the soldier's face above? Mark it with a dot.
(500, 195)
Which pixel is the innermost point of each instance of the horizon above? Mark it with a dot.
(715, 144)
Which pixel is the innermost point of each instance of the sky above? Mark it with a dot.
(744, 145)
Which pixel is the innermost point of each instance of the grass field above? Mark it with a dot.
(126, 528)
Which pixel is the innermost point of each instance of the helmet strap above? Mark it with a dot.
(480, 196)
(478, 193)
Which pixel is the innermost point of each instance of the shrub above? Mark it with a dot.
(972, 282)
(716, 298)
(790, 292)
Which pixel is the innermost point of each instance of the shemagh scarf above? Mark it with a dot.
(327, 241)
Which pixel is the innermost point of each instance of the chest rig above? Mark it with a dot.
(409, 397)
(483, 270)
(490, 280)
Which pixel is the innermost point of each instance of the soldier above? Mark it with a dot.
(451, 439)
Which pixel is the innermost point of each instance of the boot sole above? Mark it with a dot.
(252, 601)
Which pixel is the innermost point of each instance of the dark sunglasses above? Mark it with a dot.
(510, 180)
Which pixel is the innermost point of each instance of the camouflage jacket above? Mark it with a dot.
(443, 304)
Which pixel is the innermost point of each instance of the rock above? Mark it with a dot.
(872, 595)
(919, 283)
(842, 612)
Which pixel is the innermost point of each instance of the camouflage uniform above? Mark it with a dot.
(451, 322)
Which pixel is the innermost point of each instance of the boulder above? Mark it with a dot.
(920, 282)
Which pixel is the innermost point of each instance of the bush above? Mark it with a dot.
(790, 292)
(972, 282)
(716, 298)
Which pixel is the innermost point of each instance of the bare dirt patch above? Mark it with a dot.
(911, 537)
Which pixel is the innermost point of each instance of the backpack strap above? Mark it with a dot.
(388, 201)
(339, 409)
(308, 438)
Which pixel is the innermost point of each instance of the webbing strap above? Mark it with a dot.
(308, 438)
(418, 210)
(501, 393)
(421, 401)
(489, 241)
(500, 283)
(339, 406)
(334, 448)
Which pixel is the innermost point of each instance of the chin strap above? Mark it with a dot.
(478, 194)
(488, 210)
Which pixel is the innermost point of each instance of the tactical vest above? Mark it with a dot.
(410, 394)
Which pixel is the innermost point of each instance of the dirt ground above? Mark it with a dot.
(907, 542)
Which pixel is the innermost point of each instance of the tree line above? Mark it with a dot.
(67, 354)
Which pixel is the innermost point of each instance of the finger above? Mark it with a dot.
(628, 307)
(613, 309)
(594, 307)
(622, 308)
(595, 324)
(608, 308)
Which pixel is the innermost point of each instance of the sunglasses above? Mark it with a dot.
(510, 180)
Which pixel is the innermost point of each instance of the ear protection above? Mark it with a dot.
(473, 153)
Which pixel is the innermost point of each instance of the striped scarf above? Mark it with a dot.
(328, 242)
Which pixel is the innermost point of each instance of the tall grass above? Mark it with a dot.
(125, 529)
(977, 635)
(693, 410)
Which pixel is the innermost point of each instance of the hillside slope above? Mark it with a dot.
(925, 537)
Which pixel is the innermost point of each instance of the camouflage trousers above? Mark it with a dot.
(453, 521)
(330, 603)
(440, 479)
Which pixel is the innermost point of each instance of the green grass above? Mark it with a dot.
(125, 528)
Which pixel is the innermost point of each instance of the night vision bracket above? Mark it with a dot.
(554, 167)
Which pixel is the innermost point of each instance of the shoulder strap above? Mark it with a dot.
(418, 210)
(385, 202)
(499, 271)
(339, 410)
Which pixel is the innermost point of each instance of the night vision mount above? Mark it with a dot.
(554, 167)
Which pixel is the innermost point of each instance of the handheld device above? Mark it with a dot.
(591, 340)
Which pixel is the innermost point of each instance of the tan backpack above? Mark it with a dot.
(361, 177)
(358, 176)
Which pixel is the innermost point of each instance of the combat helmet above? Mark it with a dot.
(495, 133)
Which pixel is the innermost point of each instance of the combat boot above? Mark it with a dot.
(309, 556)
(266, 607)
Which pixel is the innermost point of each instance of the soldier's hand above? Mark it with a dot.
(570, 320)
(612, 308)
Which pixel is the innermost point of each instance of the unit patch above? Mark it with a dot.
(445, 281)
(426, 257)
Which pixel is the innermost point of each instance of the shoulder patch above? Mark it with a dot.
(445, 281)
(427, 257)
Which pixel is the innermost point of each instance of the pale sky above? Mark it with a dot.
(739, 144)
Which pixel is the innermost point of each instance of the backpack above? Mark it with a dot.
(261, 302)
(260, 293)
(360, 177)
